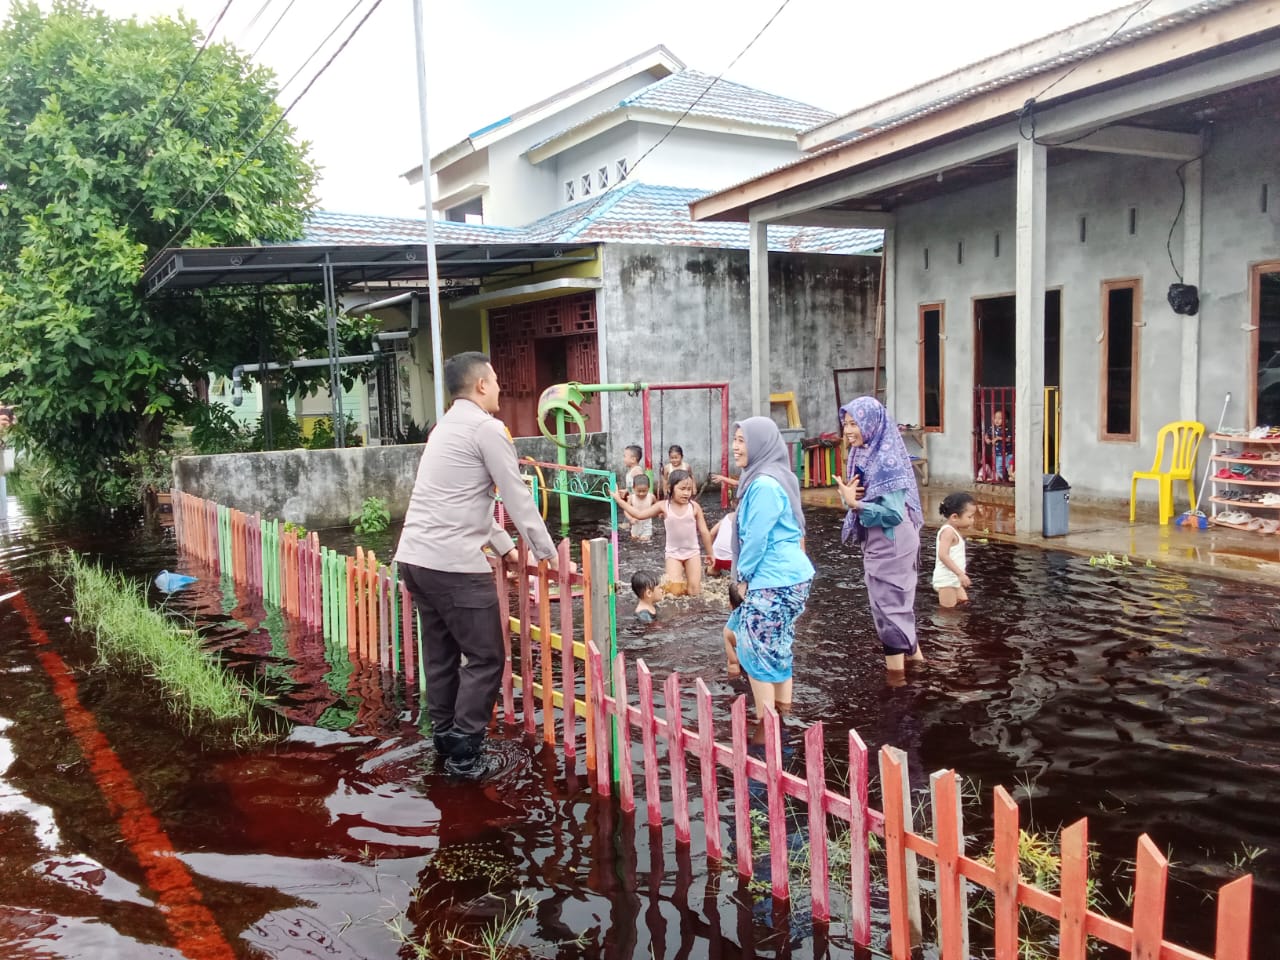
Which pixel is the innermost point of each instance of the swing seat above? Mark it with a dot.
(1184, 438)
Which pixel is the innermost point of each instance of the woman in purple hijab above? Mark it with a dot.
(885, 518)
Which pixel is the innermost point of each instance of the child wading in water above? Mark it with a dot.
(721, 559)
(641, 498)
(949, 578)
(685, 526)
(648, 594)
(675, 461)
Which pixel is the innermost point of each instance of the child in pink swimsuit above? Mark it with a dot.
(687, 534)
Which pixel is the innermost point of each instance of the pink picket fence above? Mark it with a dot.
(696, 749)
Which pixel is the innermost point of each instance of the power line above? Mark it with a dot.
(279, 120)
(183, 79)
(254, 19)
(1029, 106)
(263, 41)
(267, 106)
(688, 110)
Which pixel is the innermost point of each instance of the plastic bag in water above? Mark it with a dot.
(169, 582)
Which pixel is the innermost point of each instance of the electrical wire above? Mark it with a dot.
(1182, 204)
(279, 120)
(181, 80)
(263, 41)
(698, 99)
(267, 106)
(254, 19)
(1028, 107)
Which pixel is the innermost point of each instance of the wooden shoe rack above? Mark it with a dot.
(1227, 450)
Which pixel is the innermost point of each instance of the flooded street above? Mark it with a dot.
(1142, 699)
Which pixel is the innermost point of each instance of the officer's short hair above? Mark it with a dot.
(462, 370)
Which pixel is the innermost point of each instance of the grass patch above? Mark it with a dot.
(129, 632)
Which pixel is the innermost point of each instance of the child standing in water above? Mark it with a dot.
(721, 559)
(949, 578)
(675, 461)
(631, 466)
(641, 498)
(685, 525)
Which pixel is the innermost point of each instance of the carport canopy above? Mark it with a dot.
(185, 270)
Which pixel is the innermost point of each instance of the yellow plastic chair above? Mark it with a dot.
(1184, 436)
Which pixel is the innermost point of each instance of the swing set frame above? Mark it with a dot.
(646, 403)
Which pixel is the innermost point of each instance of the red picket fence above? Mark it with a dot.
(902, 846)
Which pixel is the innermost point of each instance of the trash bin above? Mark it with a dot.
(1057, 497)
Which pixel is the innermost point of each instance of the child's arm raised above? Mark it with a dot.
(637, 513)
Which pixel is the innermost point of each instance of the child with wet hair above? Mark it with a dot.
(641, 498)
(686, 533)
(648, 593)
(949, 577)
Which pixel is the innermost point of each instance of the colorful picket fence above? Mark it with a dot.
(697, 748)
(362, 604)
(572, 699)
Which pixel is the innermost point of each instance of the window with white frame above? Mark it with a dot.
(586, 184)
(568, 191)
(621, 169)
(602, 178)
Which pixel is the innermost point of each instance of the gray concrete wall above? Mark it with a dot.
(1101, 188)
(681, 314)
(324, 488)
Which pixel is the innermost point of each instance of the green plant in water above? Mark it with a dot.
(374, 516)
(128, 631)
(498, 939)
(1110, 560)
(1039, 864)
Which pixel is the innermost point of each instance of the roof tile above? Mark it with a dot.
(634, 212)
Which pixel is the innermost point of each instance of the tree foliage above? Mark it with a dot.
(106, 151)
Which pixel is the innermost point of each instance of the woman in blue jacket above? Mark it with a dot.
(770, 561)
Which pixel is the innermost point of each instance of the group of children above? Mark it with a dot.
(686, 527)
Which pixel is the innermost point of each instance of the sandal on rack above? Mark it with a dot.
(1269, 526)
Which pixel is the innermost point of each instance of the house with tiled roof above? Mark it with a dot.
(583, 141)
(606, 170)
(1082, 237)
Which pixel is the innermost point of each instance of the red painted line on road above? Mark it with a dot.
(195, 932)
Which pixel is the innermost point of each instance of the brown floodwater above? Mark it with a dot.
(1140, 698)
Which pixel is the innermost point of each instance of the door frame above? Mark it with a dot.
(1256, 270)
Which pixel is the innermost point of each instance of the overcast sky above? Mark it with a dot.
(488, 58)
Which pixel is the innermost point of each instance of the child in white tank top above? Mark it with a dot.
(949, 577)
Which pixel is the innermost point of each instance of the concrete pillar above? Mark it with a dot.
(1029, 369)
(758, 263)
(1189, 394)
(890, 255)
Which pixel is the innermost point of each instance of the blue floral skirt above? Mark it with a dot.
(766, 629)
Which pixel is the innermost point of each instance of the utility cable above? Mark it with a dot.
(181, 80)
(1028, 107)
(263, 41)
(698, 99)
(279, 120)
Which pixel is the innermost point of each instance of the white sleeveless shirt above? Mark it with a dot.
(942, 575)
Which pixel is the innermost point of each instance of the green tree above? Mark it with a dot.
(112, 135)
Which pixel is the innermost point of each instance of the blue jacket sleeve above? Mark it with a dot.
(886, 512)
(757, 514)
